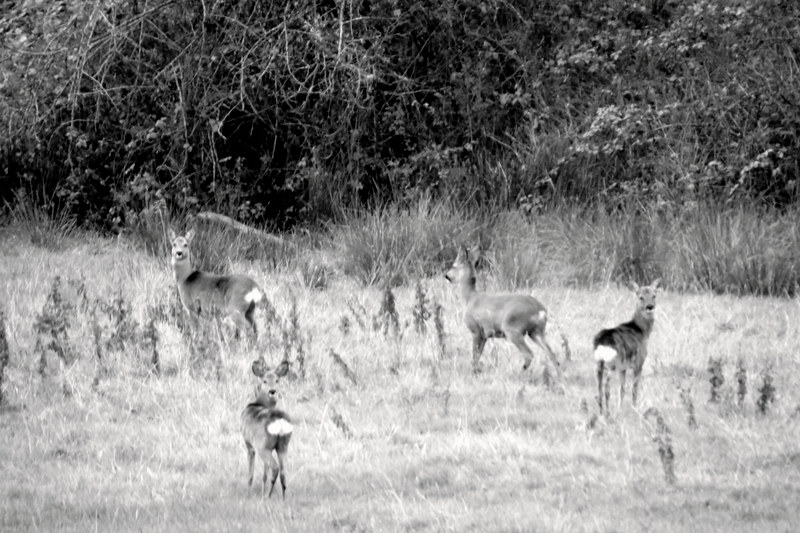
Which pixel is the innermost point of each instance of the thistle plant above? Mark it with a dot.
(51, 326)
(343, 366)
(715, 378)
(420, 312)
(438, 325)
(5, 353)
(339, 421)
(688, 405)
(766, 392)
(741, 382)
(663, 438)
(389, 317)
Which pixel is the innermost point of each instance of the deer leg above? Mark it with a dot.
(622, 373)
(249, 316)
(275, 467)
(637, 376)
(251, 462)
(518, 340)
(607, 387)
(540, 340)
(600, 368)
(282, 467)
(478, 342)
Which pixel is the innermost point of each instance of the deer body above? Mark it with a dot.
(624, 347)
(509, 316)
(235, 295)
(266, 429)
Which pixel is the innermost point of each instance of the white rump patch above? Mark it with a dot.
(254, 295)
(542, 314)
(605, 353)
(280, 428)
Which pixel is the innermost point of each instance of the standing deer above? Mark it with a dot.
(235, 295)
(265, 429)
(625, 347)
(512, 316)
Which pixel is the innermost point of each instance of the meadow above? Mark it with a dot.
(393, 430)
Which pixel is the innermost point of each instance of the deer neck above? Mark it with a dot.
(182, 269)
(645, 323)
(467, 287)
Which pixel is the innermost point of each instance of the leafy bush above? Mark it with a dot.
(283, 116)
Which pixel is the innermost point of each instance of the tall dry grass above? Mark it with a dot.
(408, 439)
(734, 249)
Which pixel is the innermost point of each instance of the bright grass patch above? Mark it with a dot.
(417, 443)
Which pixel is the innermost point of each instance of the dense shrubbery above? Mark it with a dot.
(279, 112)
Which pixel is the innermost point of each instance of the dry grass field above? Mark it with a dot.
(393, 435)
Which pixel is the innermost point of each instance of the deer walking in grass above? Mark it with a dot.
(510, 316)
(266, 429)
(625, 347)
(234, 295)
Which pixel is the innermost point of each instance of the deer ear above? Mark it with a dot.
(654, 285)
(635, 287)
(462, 253)
(172, 235)
(475, 254)
(259, 367)
(282, 369)
(190, 235)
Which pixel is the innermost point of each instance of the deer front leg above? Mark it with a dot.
(251, 463)
(478, 342)
(637, 377)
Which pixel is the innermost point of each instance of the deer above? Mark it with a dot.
(201, 293)
(624, 347)
(501, 315)
(266, 429)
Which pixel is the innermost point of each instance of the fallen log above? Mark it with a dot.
(235, 224)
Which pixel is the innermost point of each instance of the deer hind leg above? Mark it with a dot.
(600, 369)
(266, 458)
(478, 342)
(249, 316)
(242, 323)
(518, 340)
(542, 342)
(607, 389)
(251, 463)
(622, 373)
(276, 468)
(282, 468)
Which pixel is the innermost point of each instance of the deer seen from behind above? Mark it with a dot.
(499, 315)
(624, 347)
(201, 293)
(266, 429)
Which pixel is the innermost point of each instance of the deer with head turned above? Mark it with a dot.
(624, 347)
(266, 429)
(201, 293)
(499, 315)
